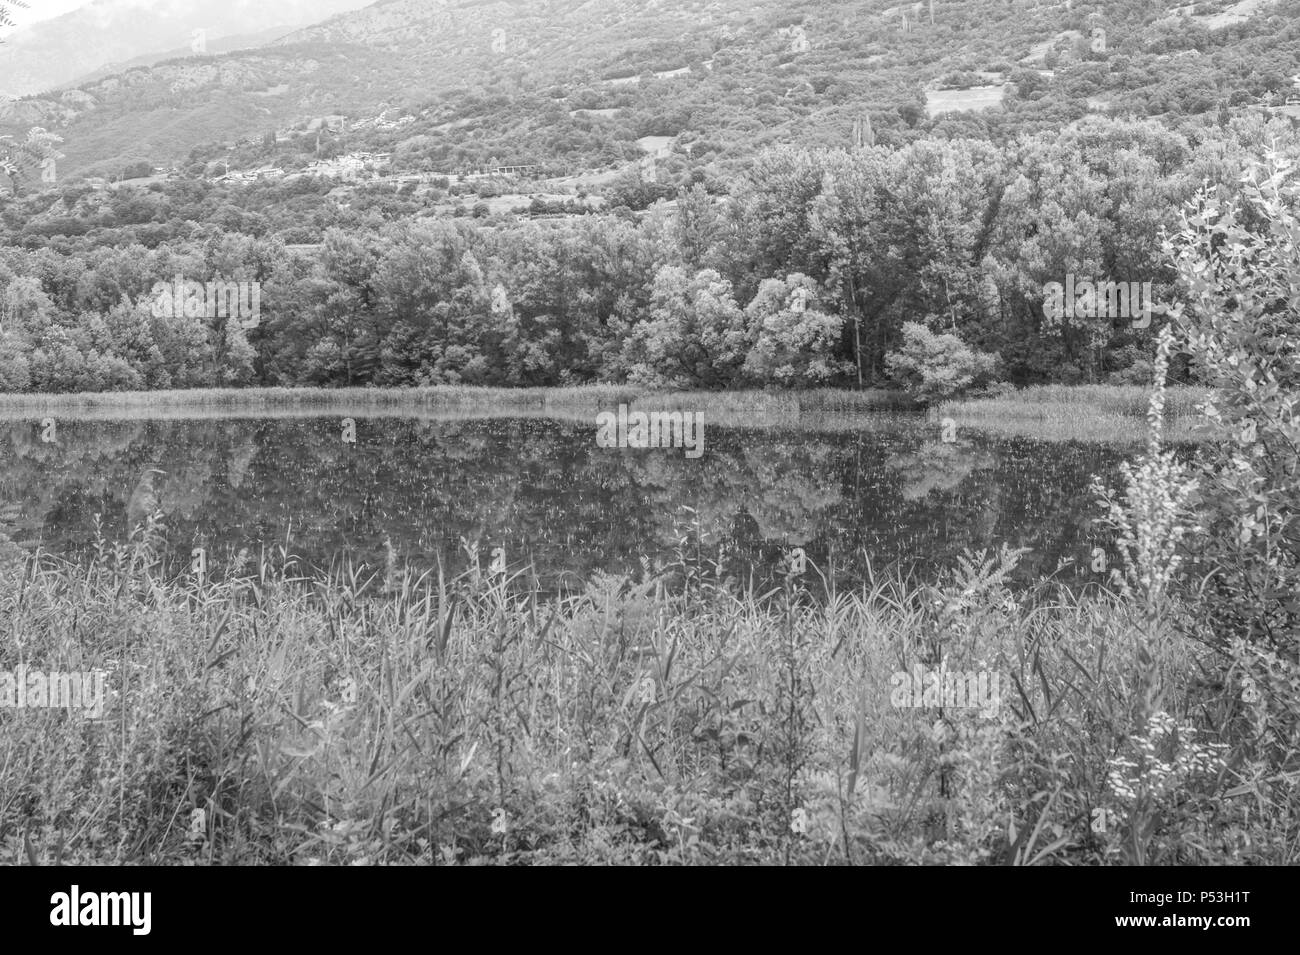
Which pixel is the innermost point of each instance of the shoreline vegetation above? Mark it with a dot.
(1103, 413)
(669, 718)
(578, 397)
(265, 719)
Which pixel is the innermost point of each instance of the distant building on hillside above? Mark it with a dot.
(350, 166)
(524, 171)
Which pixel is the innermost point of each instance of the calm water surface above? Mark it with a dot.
(890, 492)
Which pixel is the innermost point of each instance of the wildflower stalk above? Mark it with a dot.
(1154, 514)
(1151, 520)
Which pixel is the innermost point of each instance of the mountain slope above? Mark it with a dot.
(581, 81)
(50, 53)
(225, 44)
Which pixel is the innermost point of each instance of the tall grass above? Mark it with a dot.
(819, 410)
(267, 399)
(1101, 413)
(501, 400)
(396, 718)
(1060, 402)
(813, 411)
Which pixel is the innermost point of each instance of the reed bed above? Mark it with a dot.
(383, 717)
(269, 399)
(1102, 414)
(1065, 402)
(821, 411)
(495, 400)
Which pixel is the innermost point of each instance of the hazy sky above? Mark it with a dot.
(43, 10)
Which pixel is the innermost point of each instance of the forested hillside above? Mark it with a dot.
(674, 192)
(576, 82)
(960, 235)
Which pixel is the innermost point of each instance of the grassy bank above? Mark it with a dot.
(1101, 413)
(494, 400)
(268, 719)
(1077, 412)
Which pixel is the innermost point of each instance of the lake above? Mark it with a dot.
(883, 491)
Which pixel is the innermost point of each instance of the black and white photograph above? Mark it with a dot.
(651, 433)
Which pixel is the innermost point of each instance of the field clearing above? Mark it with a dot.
(656, 145)
(1237, 13)
(938, 102)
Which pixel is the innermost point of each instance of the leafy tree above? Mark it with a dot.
(15, 373)
(793, 340)
(774, 206)
(934, 367)
(698, 227)
(432, 297)
(696, 335)
(846, 222)
(1239, 260)
(337, 335)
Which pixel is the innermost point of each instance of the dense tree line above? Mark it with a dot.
(805, 273)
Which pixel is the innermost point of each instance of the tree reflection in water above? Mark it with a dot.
(545, 492)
